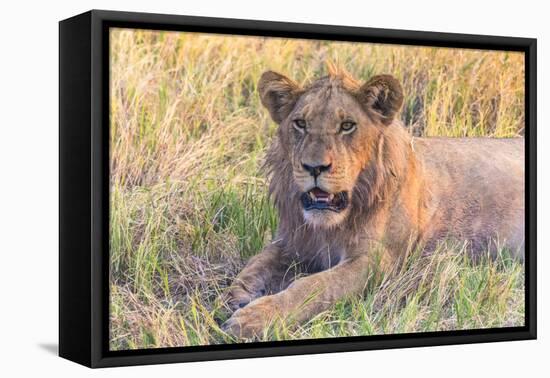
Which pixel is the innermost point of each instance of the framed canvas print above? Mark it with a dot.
(234, 188)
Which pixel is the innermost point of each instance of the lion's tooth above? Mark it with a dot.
(330, 197)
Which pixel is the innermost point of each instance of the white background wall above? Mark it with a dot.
(29, 189)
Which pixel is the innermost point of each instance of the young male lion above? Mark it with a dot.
(353, 188)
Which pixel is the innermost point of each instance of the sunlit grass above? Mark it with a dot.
(189, 202)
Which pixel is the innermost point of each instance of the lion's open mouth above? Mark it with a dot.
(318, 199)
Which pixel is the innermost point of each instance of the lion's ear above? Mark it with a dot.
(383, 96)
(278, 94)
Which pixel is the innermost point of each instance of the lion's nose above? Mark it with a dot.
(316, 170)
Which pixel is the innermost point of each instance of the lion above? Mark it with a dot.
(354, 189)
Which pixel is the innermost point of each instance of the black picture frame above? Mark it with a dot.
(84, 189)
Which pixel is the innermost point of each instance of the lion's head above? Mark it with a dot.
(329, 133)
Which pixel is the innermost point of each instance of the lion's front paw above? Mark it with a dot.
(251, 321)
(238, 297)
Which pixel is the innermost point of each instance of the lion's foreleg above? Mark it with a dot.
(263, 274)
(303, 299)
(311, 295)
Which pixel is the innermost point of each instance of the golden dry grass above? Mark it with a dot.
(189, 204)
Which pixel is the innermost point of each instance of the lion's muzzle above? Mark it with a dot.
(318, 199)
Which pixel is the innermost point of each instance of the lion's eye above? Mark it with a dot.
(348, 127)
(299, 124)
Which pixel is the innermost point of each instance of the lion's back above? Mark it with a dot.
(477, 187)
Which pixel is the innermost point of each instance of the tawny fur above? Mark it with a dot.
(404, 192)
